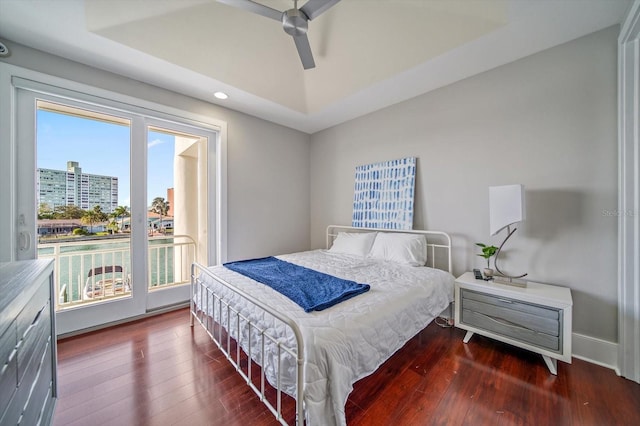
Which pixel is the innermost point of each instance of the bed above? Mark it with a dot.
(303, 365)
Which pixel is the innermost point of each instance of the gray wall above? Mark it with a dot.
(547, 121)
(268, 177)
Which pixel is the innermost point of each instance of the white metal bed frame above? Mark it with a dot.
(225, 342)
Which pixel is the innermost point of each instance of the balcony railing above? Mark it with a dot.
(91, 271)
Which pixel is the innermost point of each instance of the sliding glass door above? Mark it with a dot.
(120, 201)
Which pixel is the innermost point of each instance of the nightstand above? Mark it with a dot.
(536, 317)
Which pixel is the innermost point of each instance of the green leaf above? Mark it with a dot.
(487, 251)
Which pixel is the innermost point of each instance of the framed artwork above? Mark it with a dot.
(384, 193)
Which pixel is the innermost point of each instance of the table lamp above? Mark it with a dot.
(506, 208)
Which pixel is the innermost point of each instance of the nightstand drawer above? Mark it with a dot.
(505, 302)
(513, 312)
(513, 331)
(528, 323)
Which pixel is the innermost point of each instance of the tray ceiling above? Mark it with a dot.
(369, 53)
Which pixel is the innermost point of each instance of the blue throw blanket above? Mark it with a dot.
(312, 290)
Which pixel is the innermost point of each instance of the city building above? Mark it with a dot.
(73, 187)
(170, 200)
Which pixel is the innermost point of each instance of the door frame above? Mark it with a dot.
(13, 78)
(629, 195)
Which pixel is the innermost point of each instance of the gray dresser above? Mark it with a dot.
(27, 343)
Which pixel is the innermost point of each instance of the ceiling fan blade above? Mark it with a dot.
(254, 7)
(304, 50)
(314, 8)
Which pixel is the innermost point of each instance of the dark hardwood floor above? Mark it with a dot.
(160, 371)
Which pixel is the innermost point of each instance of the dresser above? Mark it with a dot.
(27, 343)
(536, 317)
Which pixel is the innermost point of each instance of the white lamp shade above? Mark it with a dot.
(506, 206)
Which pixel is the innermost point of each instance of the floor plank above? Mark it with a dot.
(160, 371)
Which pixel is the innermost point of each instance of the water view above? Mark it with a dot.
(83, 266)
(84, 187)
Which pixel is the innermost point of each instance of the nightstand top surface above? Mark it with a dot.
(543, 293)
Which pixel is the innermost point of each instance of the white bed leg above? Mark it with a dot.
(552, 364)
(467, 336)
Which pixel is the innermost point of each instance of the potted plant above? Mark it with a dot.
(487, 252)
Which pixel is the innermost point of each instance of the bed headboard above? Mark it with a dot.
(438, 243)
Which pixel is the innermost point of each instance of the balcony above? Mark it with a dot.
(93, 271)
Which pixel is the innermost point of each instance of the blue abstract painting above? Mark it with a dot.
(383, 196)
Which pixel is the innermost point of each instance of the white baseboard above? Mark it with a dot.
(595, 351)
(150, 313)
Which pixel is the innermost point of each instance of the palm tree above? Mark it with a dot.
(121, 212)
(160, 206)
(92, 216)
(89, 218)
(113, 225)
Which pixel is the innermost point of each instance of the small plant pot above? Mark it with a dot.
(488, 272)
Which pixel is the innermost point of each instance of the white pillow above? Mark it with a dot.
(358, 243)
(409, 249)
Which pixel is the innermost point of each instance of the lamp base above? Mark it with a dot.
(509, 281)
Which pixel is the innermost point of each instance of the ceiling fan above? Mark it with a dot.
(294, 21)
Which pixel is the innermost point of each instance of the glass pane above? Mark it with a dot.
(82, 191)
(173, 162)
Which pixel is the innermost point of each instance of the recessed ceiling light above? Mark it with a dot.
(4, 50)
(221, 95)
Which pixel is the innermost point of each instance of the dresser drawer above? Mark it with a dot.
(8, 380)
(32, 344)
(39, 368)
(8, 341)
(13, 410)
(28, 314)
(37, 398)
(48, 405)
(8, 366)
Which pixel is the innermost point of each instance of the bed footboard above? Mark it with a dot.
(235, 334)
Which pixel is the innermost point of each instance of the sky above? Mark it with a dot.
(103, 149)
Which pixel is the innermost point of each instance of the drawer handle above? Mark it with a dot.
(509, 323)
(504, 300)
(37, 318)
(35, 322)
(11, 355)
(28, 330)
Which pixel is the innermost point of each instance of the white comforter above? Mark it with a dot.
(352, 339)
